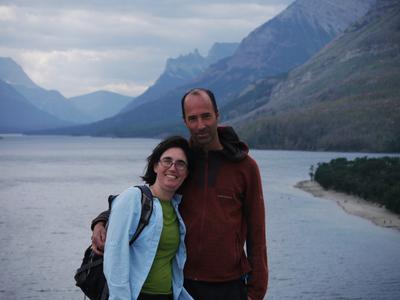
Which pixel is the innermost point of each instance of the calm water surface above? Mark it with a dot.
(51, 187)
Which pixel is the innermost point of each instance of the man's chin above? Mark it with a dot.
(202, 141)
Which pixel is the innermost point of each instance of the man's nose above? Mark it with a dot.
(201, 124)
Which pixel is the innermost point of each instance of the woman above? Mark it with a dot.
(152, 267)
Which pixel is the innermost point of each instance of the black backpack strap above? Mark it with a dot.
(110, 201)
(105, 293)
(147, 209)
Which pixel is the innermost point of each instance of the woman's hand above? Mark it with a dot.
(99, 238)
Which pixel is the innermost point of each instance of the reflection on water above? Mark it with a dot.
(51, 187)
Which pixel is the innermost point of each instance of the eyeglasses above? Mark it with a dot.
(167, 162)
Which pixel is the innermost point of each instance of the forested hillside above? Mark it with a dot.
(374, 179)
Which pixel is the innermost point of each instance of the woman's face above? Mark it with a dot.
(171, 170)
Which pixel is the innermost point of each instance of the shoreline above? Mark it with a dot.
(353, 205)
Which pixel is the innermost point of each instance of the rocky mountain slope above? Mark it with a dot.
(345, 98)
(284, 42)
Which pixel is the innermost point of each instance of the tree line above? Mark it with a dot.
(373, 179)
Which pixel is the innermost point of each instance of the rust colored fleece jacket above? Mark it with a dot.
(223, 208)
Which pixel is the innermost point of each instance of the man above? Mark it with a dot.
(223, 210)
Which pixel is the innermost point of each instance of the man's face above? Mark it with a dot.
(201, 120)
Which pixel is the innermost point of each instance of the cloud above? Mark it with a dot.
(88, 70)
(7, 14)
(74, 46)
(125, 88)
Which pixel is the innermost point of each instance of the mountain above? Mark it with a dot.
(220, 51)
(346, 98)
(252, 97)
(295, 35)
(182, 70)
(54, 103)
(284, 42)
(101, 104)
(13, 74)
(280, 44)
(178, 71)
(51, 102)
(18, 115)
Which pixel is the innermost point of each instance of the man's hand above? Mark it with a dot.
(99, 238)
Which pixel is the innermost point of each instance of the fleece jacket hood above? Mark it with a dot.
(234, 148)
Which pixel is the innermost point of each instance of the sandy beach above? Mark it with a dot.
(354, 205)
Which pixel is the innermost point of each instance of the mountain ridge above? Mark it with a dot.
(50, 101)
(54, 103)
(282, 43)
(101, 104)
(13, 74)
(180, 71)
(18, 115)
(344, 98)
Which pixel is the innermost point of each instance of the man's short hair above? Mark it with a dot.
(197, 91)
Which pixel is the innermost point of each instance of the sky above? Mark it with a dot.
(78, 47)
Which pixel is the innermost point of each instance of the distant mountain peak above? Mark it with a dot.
(49, 101)
(101, 104)
(324, 13)
(221, 50)
(181, 70)
(12, 73)
(296, 33)
(185, 63)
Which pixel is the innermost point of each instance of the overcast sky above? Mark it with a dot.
(77, 46)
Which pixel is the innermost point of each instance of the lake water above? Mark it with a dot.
(51, 187)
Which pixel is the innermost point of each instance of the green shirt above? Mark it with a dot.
(159, 279)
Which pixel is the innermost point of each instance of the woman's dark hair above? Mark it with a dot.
(171, 142)
(196, 91)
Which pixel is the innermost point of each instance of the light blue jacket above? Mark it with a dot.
(126, 267)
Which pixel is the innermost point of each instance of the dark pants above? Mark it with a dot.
(154, 297)
(229, 290)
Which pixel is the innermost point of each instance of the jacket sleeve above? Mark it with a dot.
(256, 235)
(102, 217)
(117, 258)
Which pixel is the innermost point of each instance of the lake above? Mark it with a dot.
(51, 187)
